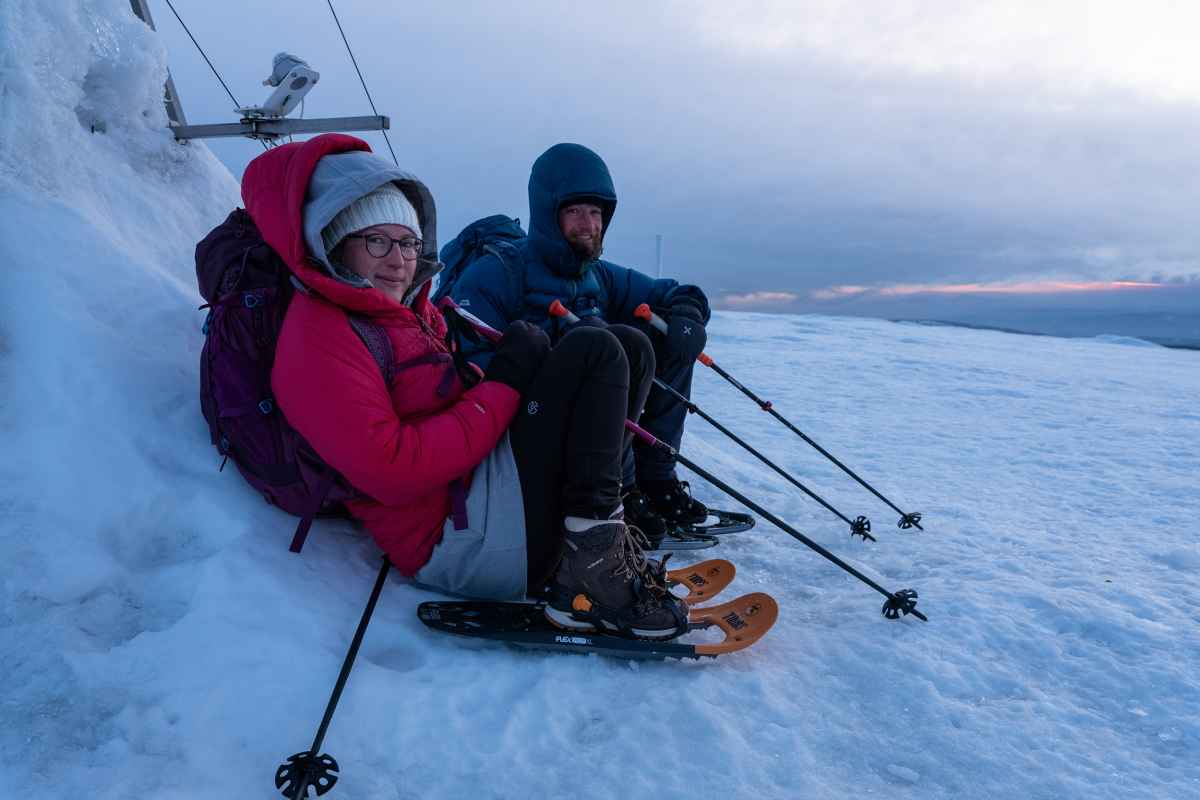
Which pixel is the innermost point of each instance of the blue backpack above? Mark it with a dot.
(495, 235)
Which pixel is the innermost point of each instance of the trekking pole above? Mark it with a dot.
(861, 526)
(898, 604)
(906, 521)
(481, 327)
(306, 768)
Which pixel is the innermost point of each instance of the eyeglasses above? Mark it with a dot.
(379, 245)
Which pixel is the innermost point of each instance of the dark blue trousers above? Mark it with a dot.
(663, 416)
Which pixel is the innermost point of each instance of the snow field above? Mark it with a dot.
(1058, 570)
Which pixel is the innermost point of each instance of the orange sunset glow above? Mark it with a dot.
(1025, 287)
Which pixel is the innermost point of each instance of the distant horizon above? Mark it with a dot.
(1175, 345)
(1166, 313)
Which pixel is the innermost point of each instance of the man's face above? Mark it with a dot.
(582, 225)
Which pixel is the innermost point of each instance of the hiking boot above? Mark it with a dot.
(672, 500)
(605, 583)
(639, 514)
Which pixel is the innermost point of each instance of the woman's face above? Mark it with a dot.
(391, 273)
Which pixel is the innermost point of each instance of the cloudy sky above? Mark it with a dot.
(816, 155)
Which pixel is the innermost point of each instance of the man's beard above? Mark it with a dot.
(589, 250)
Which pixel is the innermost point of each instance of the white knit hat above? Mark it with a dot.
(387, 205)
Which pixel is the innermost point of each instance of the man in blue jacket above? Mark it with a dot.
(571, 204)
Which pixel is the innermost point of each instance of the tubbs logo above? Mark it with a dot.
(734, 621)
(695, 580)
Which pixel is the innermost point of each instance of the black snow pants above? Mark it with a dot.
(664, 417)
(569, 435)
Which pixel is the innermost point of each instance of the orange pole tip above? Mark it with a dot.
(557, 309)
(705, 359)
(643, 312)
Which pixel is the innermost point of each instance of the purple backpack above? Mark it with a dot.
(247, 288)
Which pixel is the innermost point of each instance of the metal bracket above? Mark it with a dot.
(271, 128)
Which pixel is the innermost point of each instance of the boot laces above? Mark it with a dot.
(634, 562)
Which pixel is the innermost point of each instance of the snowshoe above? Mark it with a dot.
(705, 534)
(700, 582)
(717, 523)
(743, 620)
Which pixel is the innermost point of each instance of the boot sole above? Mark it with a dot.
(564, 620)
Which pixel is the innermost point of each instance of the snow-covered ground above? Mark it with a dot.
(158, 640)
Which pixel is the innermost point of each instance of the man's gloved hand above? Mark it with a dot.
(519, 355)
(685, 338)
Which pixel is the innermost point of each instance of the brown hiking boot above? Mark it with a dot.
(604, 582)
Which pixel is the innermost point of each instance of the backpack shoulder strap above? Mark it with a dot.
(378, 344)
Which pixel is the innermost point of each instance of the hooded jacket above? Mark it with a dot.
(551, 270)
(402, 446)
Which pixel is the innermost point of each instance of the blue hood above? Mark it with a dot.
(564, 174)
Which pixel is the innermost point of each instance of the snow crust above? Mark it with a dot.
(158, 640)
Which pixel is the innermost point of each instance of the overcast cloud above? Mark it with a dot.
(778, 147)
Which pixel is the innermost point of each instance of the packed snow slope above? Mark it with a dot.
(158, 640)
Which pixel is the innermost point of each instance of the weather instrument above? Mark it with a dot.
(293, 79)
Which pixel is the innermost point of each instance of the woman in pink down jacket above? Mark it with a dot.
(506, 488)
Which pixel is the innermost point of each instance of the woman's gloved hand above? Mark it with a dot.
(519, 355)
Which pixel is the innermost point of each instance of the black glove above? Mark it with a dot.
(685, 337)
(519, 355)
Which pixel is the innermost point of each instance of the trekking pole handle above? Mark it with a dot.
(481, 327)
(644, 313)
(557, 309)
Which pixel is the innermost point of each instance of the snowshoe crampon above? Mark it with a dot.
(744, 621)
